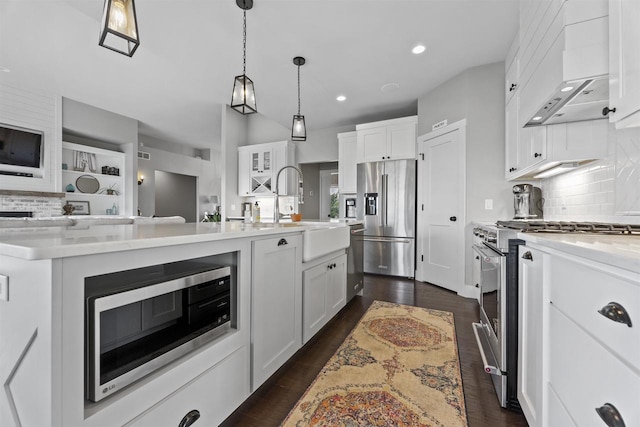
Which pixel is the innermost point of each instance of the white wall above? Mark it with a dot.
(89, 125)
(607, 190)
(41, 111)
(477, 95)
(234, 135)
(207, 173)
(321, 145)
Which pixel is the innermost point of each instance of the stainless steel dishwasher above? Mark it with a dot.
(355, 263)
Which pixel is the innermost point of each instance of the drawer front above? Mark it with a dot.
(214, 395)
(585, 376)
(580, 290)
(557, 414)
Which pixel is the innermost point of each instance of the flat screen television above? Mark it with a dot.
(20, 147)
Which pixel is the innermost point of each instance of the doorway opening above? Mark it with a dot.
(329, 194)
(176, 194)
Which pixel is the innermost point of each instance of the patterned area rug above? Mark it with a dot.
(398, 367)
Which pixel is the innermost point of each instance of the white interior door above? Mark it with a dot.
(441, 207)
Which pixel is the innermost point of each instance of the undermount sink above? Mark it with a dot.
(319, 240)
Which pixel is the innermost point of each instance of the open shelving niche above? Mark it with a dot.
(99, 202)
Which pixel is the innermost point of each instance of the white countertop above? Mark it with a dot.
(60, 242)
(622, 251)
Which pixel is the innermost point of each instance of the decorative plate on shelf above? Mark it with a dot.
(87, 184)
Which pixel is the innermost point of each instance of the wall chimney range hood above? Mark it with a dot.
(570, 82)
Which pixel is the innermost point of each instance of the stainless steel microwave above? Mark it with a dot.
(138, 322)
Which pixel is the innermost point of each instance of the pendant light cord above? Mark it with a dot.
(244, 44)
(298, 90)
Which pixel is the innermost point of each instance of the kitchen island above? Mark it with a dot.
(44, 333)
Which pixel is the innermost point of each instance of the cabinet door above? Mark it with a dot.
(347, 167)
(337, 285)
(276, 321)
(401, 141)
(624, 62)
(314, 300)
(532, 143)
(372, 145)
(244, 172)
(511, 137)
(530, 333)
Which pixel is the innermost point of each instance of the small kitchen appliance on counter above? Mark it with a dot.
(527, 202)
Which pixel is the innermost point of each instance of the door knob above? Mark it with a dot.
(527, 255)
(453, 218)
(610, 415)
(190, 418)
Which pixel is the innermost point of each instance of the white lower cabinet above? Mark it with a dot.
(579, 340)
(324, 293)
(208, 399)
(276, 313)
(531, 351)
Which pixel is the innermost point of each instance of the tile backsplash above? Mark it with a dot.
(607, 190)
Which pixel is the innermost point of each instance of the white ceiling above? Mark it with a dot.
(190, 51)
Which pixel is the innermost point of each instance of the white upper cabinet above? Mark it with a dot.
(258, 166)
(624, 62)
(347, 167)
(558, 40)
(387, 140)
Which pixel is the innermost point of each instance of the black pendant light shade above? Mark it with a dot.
(119, 30)
(243, 98)
(298, 128)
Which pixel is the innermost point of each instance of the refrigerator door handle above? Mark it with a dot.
(385, 200)
(386, 240)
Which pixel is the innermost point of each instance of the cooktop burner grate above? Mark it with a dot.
(570, 227)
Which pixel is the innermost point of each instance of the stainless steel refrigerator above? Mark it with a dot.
(387, 205)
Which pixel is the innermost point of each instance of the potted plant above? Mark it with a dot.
(110, 190)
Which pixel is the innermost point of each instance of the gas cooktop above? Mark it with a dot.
(570, 227)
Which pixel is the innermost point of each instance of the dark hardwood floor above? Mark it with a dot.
(271, 403)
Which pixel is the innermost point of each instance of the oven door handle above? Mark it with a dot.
(488, 368)
(487, 254)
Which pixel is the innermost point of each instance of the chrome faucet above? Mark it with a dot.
(276, 209)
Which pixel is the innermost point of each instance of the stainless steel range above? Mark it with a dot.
(495, 273)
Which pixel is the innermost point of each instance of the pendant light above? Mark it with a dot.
(243, 98)
(298, 129)
(119, 27)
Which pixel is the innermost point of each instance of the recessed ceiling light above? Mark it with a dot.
(341, 98)
(390, 87)
(537, 118)
(566, 89)
(418, 49)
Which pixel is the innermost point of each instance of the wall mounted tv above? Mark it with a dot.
(20, 149)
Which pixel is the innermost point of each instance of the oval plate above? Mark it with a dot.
(87, 184)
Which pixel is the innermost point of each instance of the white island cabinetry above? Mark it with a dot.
(276, 318)
(579, 330)
(324, 292)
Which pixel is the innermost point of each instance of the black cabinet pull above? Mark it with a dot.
(527, 255)
(607, 110)
(477, 257)
(616, 312)
(453, 219)
(610, 415)
(282, 242)
(513, 87)
(537, 154)
(190, 418)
